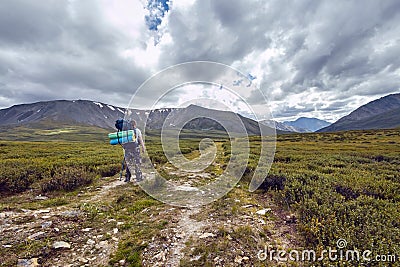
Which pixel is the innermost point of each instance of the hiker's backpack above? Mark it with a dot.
(124, 128)
(123, 125)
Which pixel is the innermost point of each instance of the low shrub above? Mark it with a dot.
(274, 182)
(67, 179)
(109, 170)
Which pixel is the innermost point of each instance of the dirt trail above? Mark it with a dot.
(167, 249)
(187, 227)
(105, 189)
(85, 246)
(195, 237)
(228, 232)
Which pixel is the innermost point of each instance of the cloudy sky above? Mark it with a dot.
(310, 58)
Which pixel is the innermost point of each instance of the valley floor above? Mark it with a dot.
(322, 188)
(88, 230)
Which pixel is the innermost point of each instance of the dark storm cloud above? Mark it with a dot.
(346, 48)
(62, 49)
(222, 31)
(287, 111)
(343, 44)
(30, 22)
(345, 51)
(227, 31)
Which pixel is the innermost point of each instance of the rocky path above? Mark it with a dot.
(64, 232)
(105, 189)
(228, 232)
(186, 228)
(213, 235)
(167, 249)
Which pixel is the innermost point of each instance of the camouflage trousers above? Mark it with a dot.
(133, 160)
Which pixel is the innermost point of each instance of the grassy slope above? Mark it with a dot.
(50, 131)
(387, 120)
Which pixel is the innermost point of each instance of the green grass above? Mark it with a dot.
(54, 165)
(53, 131)
(340, 185)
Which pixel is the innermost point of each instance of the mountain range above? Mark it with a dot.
(91, 113)
(304, 124)
(301, 125)
(378, 114)
(282, 126)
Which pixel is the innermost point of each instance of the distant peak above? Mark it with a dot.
(194, 106)
(309, 118)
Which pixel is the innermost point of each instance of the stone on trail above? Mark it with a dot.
(83, 260)
(186, 188)
(196, 258)
(40, 197)
(28, 262)
(61, 244)
(47, 224)
(181, 235)
(35, 235)
(102, 244)
(238, 259)
(43, 211)
(291, 218)
(205, 235)
(71, 213)
(263, 212)
(91, 242)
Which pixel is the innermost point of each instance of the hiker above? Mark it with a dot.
(133, 148)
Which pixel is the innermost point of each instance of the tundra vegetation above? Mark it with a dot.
(338, 185)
